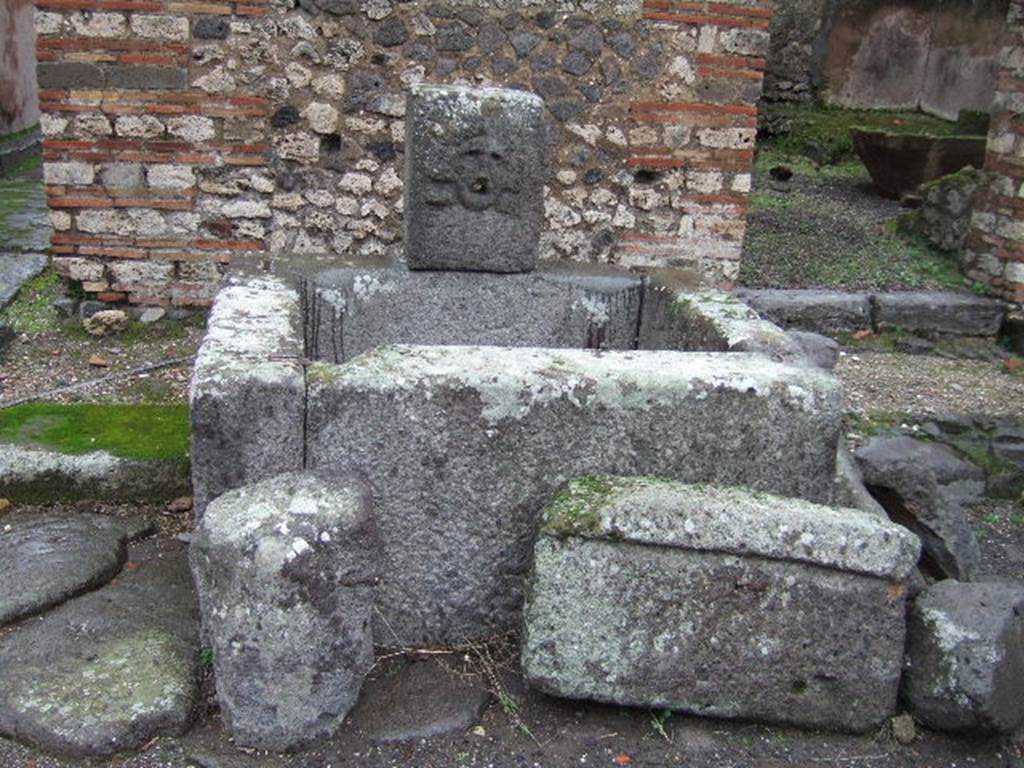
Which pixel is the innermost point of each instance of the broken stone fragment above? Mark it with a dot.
(923, 486)
(717, 601)
(286, 571)
(106, 322)
(965, 657)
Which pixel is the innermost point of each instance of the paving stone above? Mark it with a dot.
(966, 657)
(719, 602)
(476, 167)
(286, 570)
(811, 310)
(933, 312)
(923, 486)
(248, 389)
(422, 700)
(357, 308)
(48, 559)
(463, 445)
(16, 269)
(109, 670)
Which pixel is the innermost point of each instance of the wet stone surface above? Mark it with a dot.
(108, 671)
(45, 560)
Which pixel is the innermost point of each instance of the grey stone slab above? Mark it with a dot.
(107, 671)
(248, 389)
(356, 308)
(966, 657)
(286, 570)
(933, 312)
(718, 601)
(811, 310)
(45, 560)
(462, 446)
(66, 74)
(717, 321)
(16, 269)
(37, 475)
(134, 76)
(421, 700)
(476, 164)
(922, 486)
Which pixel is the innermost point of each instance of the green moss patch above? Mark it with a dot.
(127, 431)
(575, 510)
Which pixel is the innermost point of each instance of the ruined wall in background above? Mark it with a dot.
(179, 134)
(887, 54)
(995, 245)
(939, 57)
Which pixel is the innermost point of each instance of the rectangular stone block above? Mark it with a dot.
(717, 601)
(475, 171)
(248, 389)
(933, 312)
(812, 310)
(463, 446)
(356, 308)
(146, 77)
(70, 75)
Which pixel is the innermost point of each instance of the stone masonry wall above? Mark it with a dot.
(995, 244)
(181, 134)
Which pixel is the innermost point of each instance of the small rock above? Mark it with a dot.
(66, 307)
(903, 729)
(98, 362)
(820, 351)
(181, 504)
(965, 654)
(106, 323)
(5, 505)
(152, 315)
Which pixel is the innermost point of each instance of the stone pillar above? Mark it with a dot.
(995, 245)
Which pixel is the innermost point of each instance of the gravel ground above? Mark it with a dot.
(38, 362)
(877, 382)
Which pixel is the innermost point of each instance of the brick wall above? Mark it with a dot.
(180, 134)
(995, 245)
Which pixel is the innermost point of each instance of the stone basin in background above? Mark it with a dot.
(465, 400)
(900, 163)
